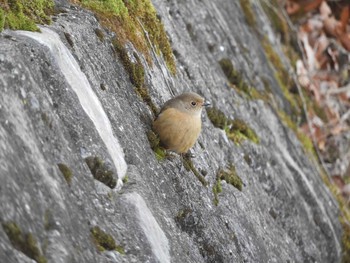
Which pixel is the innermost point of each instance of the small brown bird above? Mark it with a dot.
(179, 122)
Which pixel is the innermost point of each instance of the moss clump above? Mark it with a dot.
(218, 118)
(189, 166)
(240, 129)
(125, 179)
(136, 74)
(217, 189)
(155, 145)
(66, 172)
(235, 78)
(24, 15)
(231, 177)
(129, 19)
(248, 12)
(236, 130)
(100, 171)
(104, 241)
(26, 243)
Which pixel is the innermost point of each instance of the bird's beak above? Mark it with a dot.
(206, 103)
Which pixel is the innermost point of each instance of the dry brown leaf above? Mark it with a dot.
(325, 10)
(330, 24)
(345, 40)
(292, 8)
(310, 54)
(308, 6)
(344, 17)
(337, 129)
(302, 74)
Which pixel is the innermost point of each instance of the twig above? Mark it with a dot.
(339, 90)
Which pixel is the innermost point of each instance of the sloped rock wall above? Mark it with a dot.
(163, 213)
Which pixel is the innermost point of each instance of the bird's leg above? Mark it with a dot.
(188, 155)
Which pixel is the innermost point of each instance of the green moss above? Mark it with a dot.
(115, 7)
(248, 12)
(24, 15)
(2, 19)
(66, 172)
(231, 177)
(240, 129)
(127, 19)
(26, 243)
(189, 166)
(125, 179)
(283, 77)
(344, 218)
(304, 140)
(100, 171)
(136, 74)
(155, 145)
(236, 130)
(278, 22)
(218, 118)
(217, 188)
(235, 78)
(104, 241)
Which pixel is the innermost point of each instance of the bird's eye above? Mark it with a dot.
(193, 103)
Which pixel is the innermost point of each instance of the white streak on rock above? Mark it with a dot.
(155, 235)
(87, 97)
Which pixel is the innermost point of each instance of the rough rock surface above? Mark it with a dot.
(284, 212)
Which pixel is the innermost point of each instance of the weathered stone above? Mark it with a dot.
(284, 213)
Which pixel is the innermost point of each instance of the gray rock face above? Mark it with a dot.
(54, 111)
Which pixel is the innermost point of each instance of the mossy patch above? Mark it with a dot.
(236, 130)
(189, 166)
(235, 78)
(231, 177)
(136, 73)
(100, 171)
(66, 172)
(247, 9)
(283, 77)
(278, 22)
(26, 243)
(344, 217)
(217, 189)
(104, 241)
(24, 15)
(129, 19)
(155, 145)
(304, 139)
